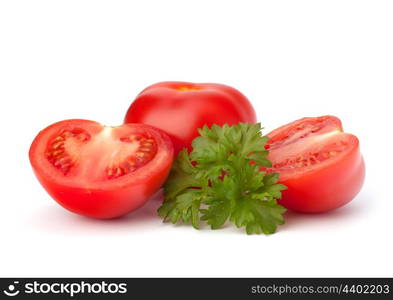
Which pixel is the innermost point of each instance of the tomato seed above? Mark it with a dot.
(56, 153)
(145, 152)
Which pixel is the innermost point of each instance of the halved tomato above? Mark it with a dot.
(319, 163)
(100, 171)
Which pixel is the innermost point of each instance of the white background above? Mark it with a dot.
(88, 59)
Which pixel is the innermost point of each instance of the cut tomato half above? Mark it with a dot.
(319, 163)
(101, 171)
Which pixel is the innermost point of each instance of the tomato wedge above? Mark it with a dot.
(100, 171)
(319, 163)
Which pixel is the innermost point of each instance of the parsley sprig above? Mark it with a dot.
(221, 180)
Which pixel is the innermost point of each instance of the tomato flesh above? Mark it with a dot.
(114, 156)
(319, 163)
(180, 108)
(101, 171)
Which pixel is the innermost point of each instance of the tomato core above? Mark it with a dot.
(306, 144)
(312, 157)
(118, 155)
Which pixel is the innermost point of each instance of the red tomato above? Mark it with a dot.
(100, 171)
(320, 164)
(180, 108)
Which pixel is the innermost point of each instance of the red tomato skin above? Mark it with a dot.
(102, 203)
(180, 113)
(327, 188)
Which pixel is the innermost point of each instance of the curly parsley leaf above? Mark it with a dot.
(221, 180)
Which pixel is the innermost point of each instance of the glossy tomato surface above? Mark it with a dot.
(180, 108)
(100, 171)
(319, 163)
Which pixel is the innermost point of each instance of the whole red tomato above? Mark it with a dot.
(100, 171)
(319, 163)
(180, 108)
